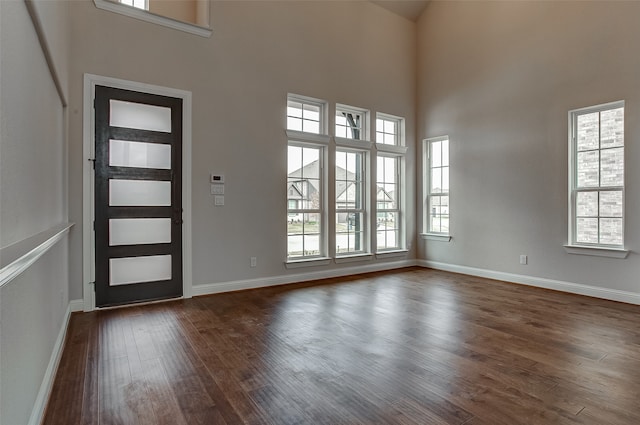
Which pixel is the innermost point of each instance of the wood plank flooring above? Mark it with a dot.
(414, 346)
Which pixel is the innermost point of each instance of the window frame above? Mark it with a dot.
(364, 209)
(573, 246)
(364, 125)
(398, 136)
(428, 167)
(147, 16)
(323, 122)
(319, 141)
(399, 204)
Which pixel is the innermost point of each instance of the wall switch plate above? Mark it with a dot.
(523, 259)
(218, 200)
(254, 261)
(217, 189)
(217, 178)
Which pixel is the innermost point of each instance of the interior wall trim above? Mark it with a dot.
(44, 45)
(39, 406)
(18, 257)
(556, 285)
(238, 285)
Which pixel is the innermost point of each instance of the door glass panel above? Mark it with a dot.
(137, 154)
(140, 116)
(130, 231)
(139, 193)
(129, 270)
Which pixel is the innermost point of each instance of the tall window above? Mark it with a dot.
(437, 200)
(388, 234)
(306, 176)
(597, 176)
(350, 202)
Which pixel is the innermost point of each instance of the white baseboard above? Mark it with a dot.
(557, 285)
(37, 413)
(238, 285)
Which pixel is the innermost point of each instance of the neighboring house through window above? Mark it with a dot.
(437, 185)
(389, 183)
(306, 176)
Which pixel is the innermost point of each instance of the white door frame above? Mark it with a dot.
(88, 154)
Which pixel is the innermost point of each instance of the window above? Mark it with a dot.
(437, 185)
(350, 202)
(597, 176)
(139, 4)
(304, 189)
(351, 123)
(306, 178)
(388, 129)
(304, 114)
(388, 221)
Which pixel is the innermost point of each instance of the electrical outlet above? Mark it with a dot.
(254, 261)
(523, 259)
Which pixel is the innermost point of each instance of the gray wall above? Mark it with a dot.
(32, 199)
(347, 52)
(499, 78)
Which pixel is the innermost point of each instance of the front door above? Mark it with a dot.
(138, 196)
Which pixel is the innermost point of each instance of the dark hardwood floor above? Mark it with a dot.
(415, 346)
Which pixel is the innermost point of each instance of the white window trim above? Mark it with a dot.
(309, 138)
(596, 251)
(392, 253)
(440, 237)
(400, 209)
(318, 141)
(307, 262)
(365, 126)
(391, 149)
(350, 143)
(324, 115)
(323, 211)
(353, 258)
(428, 234)
(145, 15)
(400, 137)
(366, 210)
(573, 247)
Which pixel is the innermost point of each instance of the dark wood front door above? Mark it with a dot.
(138, 196)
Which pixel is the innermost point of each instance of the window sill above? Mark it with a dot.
(392, 253)
(360, 144)
(353, 258)
(391, 148)
(436, 237)
(307, 262)
(596, 251)
(145, 15)
(301, 136)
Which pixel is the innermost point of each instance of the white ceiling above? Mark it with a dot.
(410, 9)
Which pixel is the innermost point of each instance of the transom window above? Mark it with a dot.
(597, 175)
(304, 115)
(438, 185)
(388, 129)
(351, 123)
